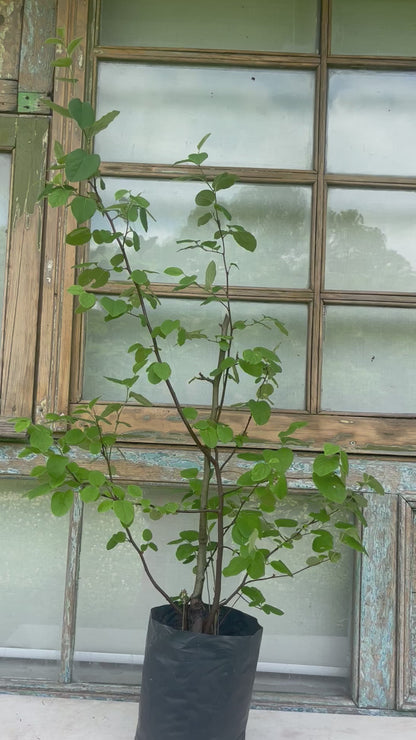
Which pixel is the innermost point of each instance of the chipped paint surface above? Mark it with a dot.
(10, 23)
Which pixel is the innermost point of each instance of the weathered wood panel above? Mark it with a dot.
(35, 74)
(376, 685)
(57, 305)
(22, 276)
(355, 434)
(406, 662)
(8, 96)
(10, 34)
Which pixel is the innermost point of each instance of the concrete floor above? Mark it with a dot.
(40, 718)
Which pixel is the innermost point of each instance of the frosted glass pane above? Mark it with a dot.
(264, 25)
(278, 215)
(371, 119)
(5, 168)
(33, 547)
(369, 360)
(105, 352)
(257, 117)
(374, 27)
(115, 598)
(370, 240)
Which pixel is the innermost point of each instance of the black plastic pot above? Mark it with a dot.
(197, 686)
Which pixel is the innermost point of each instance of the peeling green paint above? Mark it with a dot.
(10, 15)
(31, 102)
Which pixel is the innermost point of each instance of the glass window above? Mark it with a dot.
(369, 358)
(312, 638)
(105, 352)
(374, 27)
(371, 117)
(33, 546)
(370, 240)
(262, 25)
(279, 216)
(5, 169)
(257, 117)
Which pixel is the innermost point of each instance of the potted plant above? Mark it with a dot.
(201, 652)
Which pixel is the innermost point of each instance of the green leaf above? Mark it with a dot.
(147, 535)
(185, 551)
(260, 472)
(353, 543)
(373, 483)
(81, 112)
(323, 464)
(254, 594)
(280, 488)
(134, 491)
(175, 271)
(210, 274)
(269, 609)
(244, 239)
(39, 490)
(83, 208)
(331, 487)
(139, 277)
(62, 62)
(142, 400)
(198, 158)
(79, 236)
(89, 494)
(116, 539)
(73, 45)
(86, 300)
(225, 433)
(205, 198)
(61, 502)
(235, 566)
(281, 567)
(96, 477)
(56, 466)
(79, 165)
(331, 449)
(57, 108)
(223, 181)
(101, 124)
(202, 142)
(20, 425)
(115, 307)
(40, 438)
(59, 196)
(189, 473)
(124, 511)
(161, 370)
(291, 523)
(204, 219)
(168, 326)
(323, 542)
(190, 413)
(257, 566)
(280, 459)
(260, 411)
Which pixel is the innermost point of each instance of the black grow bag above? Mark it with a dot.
(197, 687)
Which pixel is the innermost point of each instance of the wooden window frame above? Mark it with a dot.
(386, 434)
(26, 138)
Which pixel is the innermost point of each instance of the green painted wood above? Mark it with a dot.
(35, 71)
(376, 680)
(8, 125)
(32, 102)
